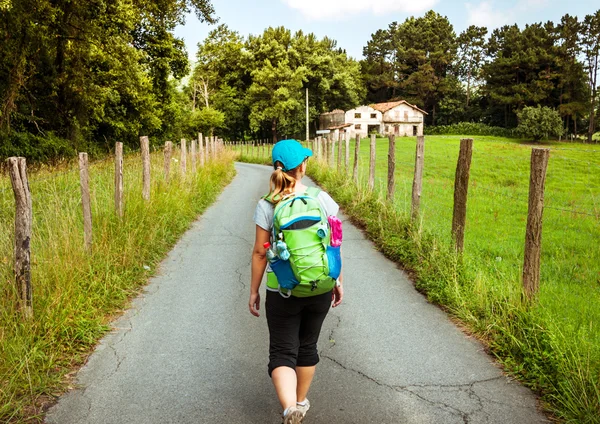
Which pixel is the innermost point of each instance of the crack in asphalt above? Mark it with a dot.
(411, 389)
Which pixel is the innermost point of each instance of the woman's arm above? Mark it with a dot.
(259, 263)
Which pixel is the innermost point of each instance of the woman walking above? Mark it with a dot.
(294, 317)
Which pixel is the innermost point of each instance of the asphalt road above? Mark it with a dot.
(188, 351)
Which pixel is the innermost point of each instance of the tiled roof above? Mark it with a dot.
(384, 107)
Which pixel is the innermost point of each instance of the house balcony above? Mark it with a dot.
(403, 120)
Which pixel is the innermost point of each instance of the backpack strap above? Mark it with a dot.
(313, 191)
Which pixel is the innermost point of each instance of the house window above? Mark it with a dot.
(357, 127)
(357, 116)
(397, 113)
(373, 116)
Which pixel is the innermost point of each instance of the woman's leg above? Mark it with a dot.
(313, 315)
(285, 381)
(304, 376)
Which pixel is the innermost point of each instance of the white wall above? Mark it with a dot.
(364, 121)
(401, 120)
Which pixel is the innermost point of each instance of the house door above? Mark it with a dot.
(397, 129)
(415, 130)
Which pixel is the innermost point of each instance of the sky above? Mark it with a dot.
(351, 22)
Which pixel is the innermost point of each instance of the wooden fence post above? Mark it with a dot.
(461, 188)
(183, 157)
(168, 156)
(371, 183)
(201, 149)
(339, 158)
(213, 147)
(119, 178)
(331, 160)
(84, 182)
(391, 169)
(356, 154)
(145, 146)
(193, 153)
(533, 234)
(347, 152)
(17, 167)
(418, 178)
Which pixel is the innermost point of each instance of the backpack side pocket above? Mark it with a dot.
(284, 273)
(334, 261)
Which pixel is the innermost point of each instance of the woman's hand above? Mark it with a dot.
(254, 304)
(337, 295)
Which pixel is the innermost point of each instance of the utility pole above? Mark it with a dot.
(307, 114)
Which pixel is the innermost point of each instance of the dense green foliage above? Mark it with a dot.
(76, 293)
(467, 77)
(260, 83)
(538, 122)
(469, 128)
(90, 72)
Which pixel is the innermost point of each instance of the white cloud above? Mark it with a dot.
(332, 9)
(487, 14)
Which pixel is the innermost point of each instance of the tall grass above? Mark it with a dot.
(76, 293)
(552, 345)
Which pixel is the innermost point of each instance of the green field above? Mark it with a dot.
(553, 345)
(76, 293)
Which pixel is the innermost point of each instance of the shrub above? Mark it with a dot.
(539, 122)
(469, 128)
(36, 148)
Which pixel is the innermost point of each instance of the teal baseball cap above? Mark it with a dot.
(290, 153)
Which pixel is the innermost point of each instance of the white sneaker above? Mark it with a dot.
(303, 408)
(293, 416)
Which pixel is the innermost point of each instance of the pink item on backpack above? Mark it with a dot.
(336, 231)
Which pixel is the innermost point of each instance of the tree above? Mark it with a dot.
(412, 61)
(573, 95)
(91, 71)
(539, 122)
(591, 50)
(275, 94)
(471, 44)
(522, 70)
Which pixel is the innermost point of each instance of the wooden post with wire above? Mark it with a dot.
(533, 234)
(371, 183)
(183, 157)
(391, 169)
(201, 149)
(193, 153)
(119, 178)
(356, 154)
(168, 156)
(461, 188)
(347, 152)
(418, 177)
(84, 182)
(145, 146)
(339, 150)
(17, 168)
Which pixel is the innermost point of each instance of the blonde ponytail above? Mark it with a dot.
(281, 184)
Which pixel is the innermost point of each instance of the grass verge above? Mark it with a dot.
(77, 294)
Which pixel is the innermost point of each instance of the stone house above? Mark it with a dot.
(399, 118)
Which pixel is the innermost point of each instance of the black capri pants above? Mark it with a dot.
(294, 327)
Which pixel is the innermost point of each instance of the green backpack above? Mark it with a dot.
(301, 223)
